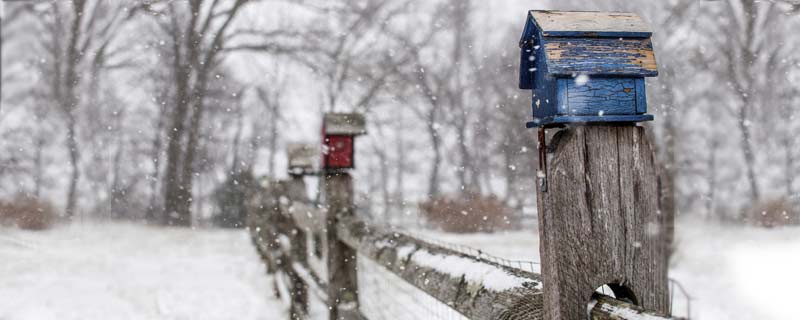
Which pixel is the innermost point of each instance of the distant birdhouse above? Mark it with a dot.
(586, 67)
(301, 158)
(339, 130)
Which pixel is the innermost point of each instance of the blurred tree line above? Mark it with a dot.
(143, 109)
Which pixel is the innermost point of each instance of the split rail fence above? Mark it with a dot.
(598, 203)
(324, 258)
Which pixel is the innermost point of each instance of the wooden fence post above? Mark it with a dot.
(342, 277)
(294, 190)
(599, 221)
(298, 309)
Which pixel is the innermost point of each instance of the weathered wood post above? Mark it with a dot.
(597, 190)
(283, 250)
(300, 158)
(300, 164)
(339, 130)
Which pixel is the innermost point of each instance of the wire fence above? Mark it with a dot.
(392, 292)
(385, 296)
(682, 306)
(478, 254)
(680, 299)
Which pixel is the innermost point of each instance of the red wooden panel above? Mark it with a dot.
(340, 152)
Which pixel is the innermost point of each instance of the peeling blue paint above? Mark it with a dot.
(611, 69)
(612, 57)
(599, 97)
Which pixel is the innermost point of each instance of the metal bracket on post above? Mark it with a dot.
(541, 174)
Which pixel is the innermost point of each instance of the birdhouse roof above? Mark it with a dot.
(592, 43)
(590, 24)
(301, 156)
(348, 124)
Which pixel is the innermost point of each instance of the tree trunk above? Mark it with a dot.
(383, 166)
(154, 178)
(192, 145)
(747, 149)
(436, 142)
(117, 192)
(69, 102)
(787, 116)
(401, 164)
(789, 175)
(39, 165)
(466, 172)
(711, 176)
(186, 56)
(273, 138)
(74, 156)
(172, 193)
(237, 137)
(746, 92)
(173, 196)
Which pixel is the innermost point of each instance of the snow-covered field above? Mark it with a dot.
(126, 271)
(739, 272)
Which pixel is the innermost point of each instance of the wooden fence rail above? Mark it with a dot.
(599, 222)
(492, 291)
(598, 204)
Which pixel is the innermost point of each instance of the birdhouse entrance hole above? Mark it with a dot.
(617, 291)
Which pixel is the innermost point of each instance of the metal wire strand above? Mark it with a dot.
(383, 295)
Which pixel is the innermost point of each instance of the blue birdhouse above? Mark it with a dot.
(586, 67)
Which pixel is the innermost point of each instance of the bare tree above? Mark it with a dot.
(426, 82)
(749, 54)
(270, 98)
(198, 31)
(76, 37)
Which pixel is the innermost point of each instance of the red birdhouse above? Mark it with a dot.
(339, 152)
(339, 131)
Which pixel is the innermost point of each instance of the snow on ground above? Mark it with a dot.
(736, 272)
(731, 272)
(128, 271)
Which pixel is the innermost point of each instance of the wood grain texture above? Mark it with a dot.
(600, 56)
(590, 24)
(599, 221)
(599, 97)
(342, 277)
(395, 252)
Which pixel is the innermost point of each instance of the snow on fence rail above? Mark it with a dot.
(598, 228)
(470, 285)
